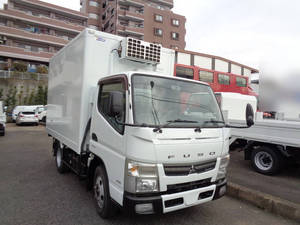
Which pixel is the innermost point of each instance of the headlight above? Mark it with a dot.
(223, 167)
(141, 177)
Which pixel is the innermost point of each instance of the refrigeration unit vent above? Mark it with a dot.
(141, 51)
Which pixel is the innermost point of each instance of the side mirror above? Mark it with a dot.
(116, 104)
(249, 115)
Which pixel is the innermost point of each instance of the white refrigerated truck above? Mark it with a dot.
(121, 120)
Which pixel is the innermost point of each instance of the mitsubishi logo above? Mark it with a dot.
(192, 170)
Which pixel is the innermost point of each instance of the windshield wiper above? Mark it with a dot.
(158, 128)
(214, 121)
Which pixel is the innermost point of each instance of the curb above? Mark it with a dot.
(264, 201)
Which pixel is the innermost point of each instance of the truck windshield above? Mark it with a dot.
(158, 100)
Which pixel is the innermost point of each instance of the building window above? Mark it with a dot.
(206, 76)
(93, 16)
(175, 36)
(241, 82)
(158, 32)
(92, 3)
(158, 18)
(224, 79)
(175, 22)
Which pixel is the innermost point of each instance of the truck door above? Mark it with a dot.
(107, 135)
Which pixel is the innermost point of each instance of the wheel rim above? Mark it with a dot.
(58, 158)
(99, 192)
(263, 160)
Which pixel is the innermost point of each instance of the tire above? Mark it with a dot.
(104, 205)
(266, 161)
(61, 167)
(36, 124)
(44, 119)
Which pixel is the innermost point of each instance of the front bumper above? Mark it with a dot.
(165, 202)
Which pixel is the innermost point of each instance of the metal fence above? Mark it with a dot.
(22, 75)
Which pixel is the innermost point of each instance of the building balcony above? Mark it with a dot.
(25, 35)
(136, 3)
(21, 53)
(168, 3)
(46, 6)
(131, 31)
(49, 22)
(129, 15)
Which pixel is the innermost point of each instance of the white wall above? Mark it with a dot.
(203, 62)
(183, 58)
(221, 65)
(235, 69)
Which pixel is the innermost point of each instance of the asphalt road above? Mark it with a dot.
(33, 193)
(284, 185)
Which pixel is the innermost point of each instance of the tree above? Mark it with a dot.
(39, 97)
(45, 95)
(11, 99)
(20, 95)
(31, 98)
(1, 93)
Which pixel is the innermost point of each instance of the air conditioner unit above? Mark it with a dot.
(141, 51)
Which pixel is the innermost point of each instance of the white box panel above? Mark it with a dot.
(203, 62)
(247, 72)
(183, 58)
(235, 69)
(221, 65)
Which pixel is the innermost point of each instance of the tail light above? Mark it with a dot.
(21, 115)
(36, 116)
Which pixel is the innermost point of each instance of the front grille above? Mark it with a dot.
(175, 188)
(184, 170)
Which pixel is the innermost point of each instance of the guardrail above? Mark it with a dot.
(22, 75)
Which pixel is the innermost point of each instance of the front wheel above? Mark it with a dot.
(266, 161)
(103, 202)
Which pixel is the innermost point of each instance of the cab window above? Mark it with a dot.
(241, 82)
(184, 72)
(223, 79)
(206, 76)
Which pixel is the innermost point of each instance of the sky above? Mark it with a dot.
(251, 32)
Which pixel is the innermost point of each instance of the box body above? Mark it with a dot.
(73, 76)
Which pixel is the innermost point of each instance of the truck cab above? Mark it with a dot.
(158, 158)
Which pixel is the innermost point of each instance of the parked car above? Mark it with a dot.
(42, 113)
(24, 108)
(27, 117)
(2, 119)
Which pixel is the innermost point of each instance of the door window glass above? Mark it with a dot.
(113, 94)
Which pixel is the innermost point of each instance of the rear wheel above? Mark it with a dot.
(103, 202)
(61, 167)
(266, 161)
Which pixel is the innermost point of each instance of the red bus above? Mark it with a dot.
(219, 81)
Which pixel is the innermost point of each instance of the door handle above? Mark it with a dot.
(94, 137)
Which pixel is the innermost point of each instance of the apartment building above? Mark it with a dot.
(33, 31)
(149, 20)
